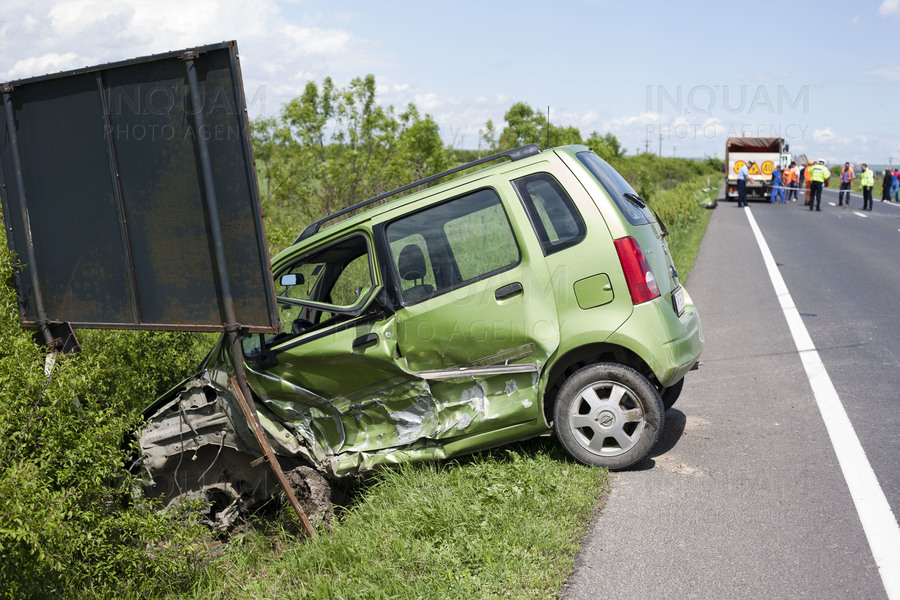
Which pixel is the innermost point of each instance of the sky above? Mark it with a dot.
(672, 78)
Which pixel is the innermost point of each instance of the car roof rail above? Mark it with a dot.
(513, 155)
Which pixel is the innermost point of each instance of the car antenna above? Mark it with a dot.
(548, 125)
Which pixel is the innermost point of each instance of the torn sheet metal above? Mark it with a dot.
(400, 419)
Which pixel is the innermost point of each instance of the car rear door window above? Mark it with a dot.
(553, 215)
(452, 244)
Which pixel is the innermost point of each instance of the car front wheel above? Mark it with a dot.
(608, 415)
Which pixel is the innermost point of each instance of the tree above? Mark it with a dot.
(523, 127)
(607, 146)
(331, 148)
(489, 137)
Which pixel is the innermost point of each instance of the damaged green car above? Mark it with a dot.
(529, 297)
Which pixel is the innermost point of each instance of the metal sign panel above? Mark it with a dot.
(130, 197)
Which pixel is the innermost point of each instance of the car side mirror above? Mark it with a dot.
(290, 279)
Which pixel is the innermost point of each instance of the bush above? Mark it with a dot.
(683, 211)
(70, 526)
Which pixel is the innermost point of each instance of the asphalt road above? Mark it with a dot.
(744, 496)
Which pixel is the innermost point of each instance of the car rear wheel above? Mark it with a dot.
(608, 415)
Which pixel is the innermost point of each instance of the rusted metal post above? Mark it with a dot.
(239, 381)
(269, 456)
(209, 188)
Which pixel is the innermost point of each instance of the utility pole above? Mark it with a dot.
(660, 146)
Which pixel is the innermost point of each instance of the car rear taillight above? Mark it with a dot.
(641, 282)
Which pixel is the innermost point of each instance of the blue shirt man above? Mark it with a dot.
(743, 174)
(776, 185)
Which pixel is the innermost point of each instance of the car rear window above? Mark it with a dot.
(630, 204)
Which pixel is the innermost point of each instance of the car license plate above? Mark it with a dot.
(678, 300)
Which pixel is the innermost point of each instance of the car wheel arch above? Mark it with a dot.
(576, 358)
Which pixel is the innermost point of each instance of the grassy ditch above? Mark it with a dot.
(504, 523)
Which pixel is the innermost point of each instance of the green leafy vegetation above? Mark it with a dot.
(683, 211)
(505, 523)
(69, 521)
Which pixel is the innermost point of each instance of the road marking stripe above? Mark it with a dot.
(875, 513)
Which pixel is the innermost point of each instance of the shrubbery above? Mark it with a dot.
(69, 522)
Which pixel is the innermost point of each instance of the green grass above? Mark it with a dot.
(500, 524)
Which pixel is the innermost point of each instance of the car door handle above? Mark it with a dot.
(365, 340)
(508, 291)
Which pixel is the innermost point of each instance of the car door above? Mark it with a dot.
(477, 318)
(329, 375)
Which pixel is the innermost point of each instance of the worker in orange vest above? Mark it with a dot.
(793, 178)
(847, 177)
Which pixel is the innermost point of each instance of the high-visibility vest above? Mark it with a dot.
(867, 178)
(786, 177)
(818, 173)
(849, 174)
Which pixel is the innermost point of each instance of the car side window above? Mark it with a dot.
(452, 244)
(556, 221)
(328, 282)
(324, 287)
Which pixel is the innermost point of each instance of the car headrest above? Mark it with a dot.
(411, 263)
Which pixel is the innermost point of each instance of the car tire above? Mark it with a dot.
(670, 394)
(608, 415)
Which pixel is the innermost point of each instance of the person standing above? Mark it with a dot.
(776, 184)
(786, 182)
(866, 183)
(793, 181)
(743, 174)
(806, 182)
(847, 177)
(895, 185)
(818, 175)
(886, 185)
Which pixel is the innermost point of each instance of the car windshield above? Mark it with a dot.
(630, 204)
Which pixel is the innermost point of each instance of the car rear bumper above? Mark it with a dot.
(669, 344)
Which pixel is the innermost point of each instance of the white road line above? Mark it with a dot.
(878, 521)
(859, 214)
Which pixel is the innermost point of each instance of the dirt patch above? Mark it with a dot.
(314, 494)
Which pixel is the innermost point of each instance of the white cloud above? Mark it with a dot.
(889, 7)
(890, 73)
(45, 36)
(46, 63)
(837, 148)
(823, 135)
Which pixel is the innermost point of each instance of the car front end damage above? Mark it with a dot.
(198, 444)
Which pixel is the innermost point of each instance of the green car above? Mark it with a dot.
(529, 297)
